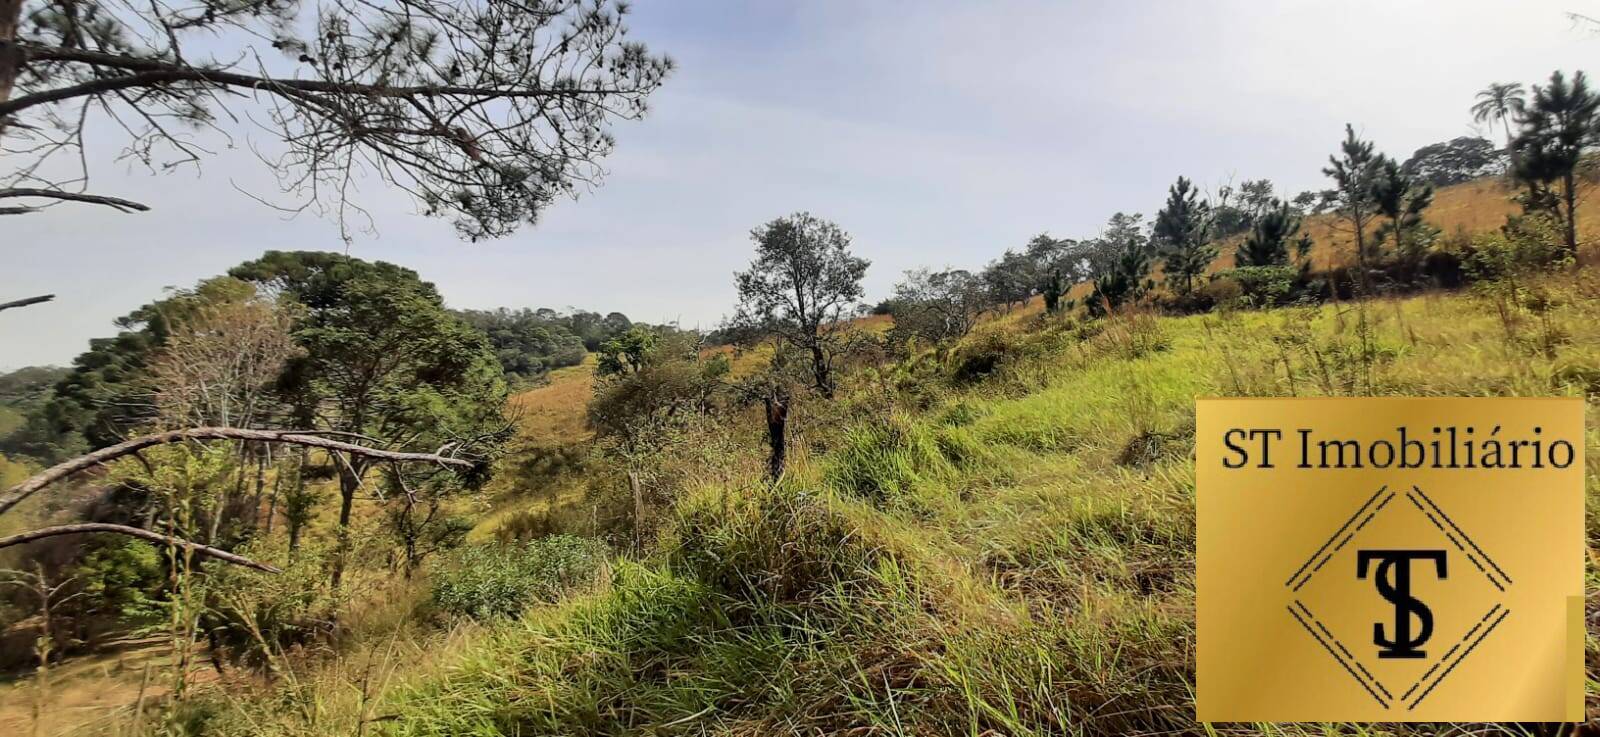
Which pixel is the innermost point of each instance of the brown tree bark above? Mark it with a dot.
(10, 51)
(777, 406)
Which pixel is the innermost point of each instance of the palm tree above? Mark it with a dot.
(1500, 101)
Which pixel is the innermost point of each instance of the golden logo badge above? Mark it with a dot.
(1390, 559)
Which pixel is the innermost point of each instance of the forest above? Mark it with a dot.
(306, 496)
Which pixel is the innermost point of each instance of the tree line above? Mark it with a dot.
(799, 295)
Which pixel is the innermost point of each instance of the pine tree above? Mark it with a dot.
(1182, 231)
(1268, 242)
(1353, 172)
(1401, 199)
(1555, 128)
(1119, 264)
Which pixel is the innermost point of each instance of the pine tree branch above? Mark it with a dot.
(95, 199)
(143, 534)
(146, 72)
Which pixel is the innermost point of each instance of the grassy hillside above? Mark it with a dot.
(1010, 554)
(1013, 556)
(1015, 559)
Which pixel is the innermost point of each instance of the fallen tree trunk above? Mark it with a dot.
(305, 438)
(55, 473)
(143, 534)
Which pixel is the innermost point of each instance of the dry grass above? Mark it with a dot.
(1015, 559)
(1002, 569)
(553, 415)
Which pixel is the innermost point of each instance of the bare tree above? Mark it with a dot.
(217, 366)
(483, 110)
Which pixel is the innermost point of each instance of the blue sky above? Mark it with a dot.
(936, 133)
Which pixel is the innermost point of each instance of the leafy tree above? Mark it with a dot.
(936, 305)
(1401, 199)
(1182, 231)
(647, 403)
(664, 377)
(22, 393)
(1256, 197)
(615, 323)
(103, 398)
(1502, 101)
(801, 286)
(526, 344)
(1120, 261)
(1010, 279)
(483, 111)
(628, 353)
(1353, 172)
(1555, 129)
(1306, 202)
(1268, 241)
(1057, 265)
(383, 359)
(1227, 218)
(1455, 161)
(28, 385)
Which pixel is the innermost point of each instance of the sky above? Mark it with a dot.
(936, 133)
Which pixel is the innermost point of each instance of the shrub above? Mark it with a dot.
(880, 459)
(780, 545)
(501, 580)
(980, 358)
(253, 618)
(1128, 335)
(1264, 286)
(1526, 243)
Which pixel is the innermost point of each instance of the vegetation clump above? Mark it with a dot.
(501, 580)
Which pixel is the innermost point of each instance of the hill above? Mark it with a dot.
(1015, 559)
(1008, 555)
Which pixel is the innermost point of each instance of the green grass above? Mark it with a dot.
(1014, 557)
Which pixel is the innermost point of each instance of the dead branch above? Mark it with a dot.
(55, 473)
(93, 199)
(155, 537)
(27, 301)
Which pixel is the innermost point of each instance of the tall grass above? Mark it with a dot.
(1015, 559)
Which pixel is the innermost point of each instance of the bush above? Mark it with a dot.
(253, 619)
(501, 580)
(780, 545)
(975, 360)
(1263, 286)
(1526, 243)
(991, 354)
